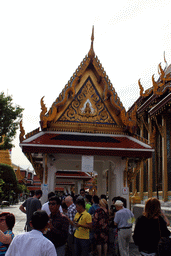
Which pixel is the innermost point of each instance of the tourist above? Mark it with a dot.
(33, 242)
(64, 208)
(7, 221)
(113, 231)
(94, 206)
(92, 210)
(71, 214)
(103, 196)
(82, 192)
(83, 224)
(31, 205)
(123, 219)
(100, 227)
(88, 200)
(45, 206)
(121, 199)
(58, 226)
(150, 227)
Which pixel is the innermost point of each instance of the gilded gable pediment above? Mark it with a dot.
(88, 102)
(87, 107)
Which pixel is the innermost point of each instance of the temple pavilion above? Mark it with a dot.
(154, 123)
(87, 129)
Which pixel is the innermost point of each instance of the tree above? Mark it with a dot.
(9, 186)
(9, 120)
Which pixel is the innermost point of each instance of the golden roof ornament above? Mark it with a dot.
(91, 53)
(155, 87)
(22, 131)
(165, 59)
(46, 117)
(141, 88)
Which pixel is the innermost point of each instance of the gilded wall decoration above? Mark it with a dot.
(87, 107)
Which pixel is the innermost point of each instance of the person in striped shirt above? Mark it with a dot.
(7, 221)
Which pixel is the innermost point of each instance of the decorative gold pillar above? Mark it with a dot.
(46, 169)
(141, 181)
(134, 183)
(150, 164)
(164, 161)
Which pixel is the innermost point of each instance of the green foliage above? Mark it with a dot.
(9, 187)
(1, 184)
(22, 188)
(9, 120)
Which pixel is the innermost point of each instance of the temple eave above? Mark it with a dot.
(83, 151)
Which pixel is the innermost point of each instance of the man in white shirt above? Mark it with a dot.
(45, 206)
(123, 219)
(33, 242)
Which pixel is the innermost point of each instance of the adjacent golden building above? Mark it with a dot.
(153, 122)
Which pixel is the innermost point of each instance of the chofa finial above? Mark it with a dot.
(91, 53)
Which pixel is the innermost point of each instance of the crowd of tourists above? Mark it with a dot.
(84, 225)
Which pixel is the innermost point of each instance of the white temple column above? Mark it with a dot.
(51, 183)
(44, 185)
(78, 186)
(101, 178)
(51, 179)
(119, 181)
(111, 182)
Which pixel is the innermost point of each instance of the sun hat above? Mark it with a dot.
(118, 202)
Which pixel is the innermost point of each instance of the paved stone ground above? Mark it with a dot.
(21, 220)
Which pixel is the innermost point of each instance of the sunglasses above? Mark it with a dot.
(51, 203)
(1, 220)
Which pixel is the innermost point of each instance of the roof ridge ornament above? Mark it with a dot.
(91, 53)
(165, 59)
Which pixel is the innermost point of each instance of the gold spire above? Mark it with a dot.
(5, 157)
(4, 154)
(18, 174)
(91, 53)
(92, 36)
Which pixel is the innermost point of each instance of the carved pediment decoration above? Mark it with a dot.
(87, 106)
(90, 62)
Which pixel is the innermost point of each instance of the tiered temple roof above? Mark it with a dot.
(88, 104)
